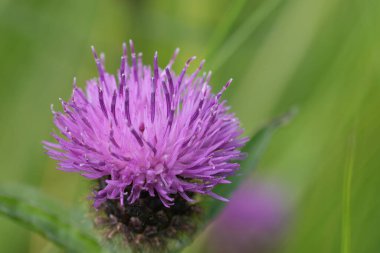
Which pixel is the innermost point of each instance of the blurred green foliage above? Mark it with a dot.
(30, 208)
(322, 56)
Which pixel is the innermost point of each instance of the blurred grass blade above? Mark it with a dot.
(255, 149)
(346, 210)
(35, 212)
(224, 27)
(241, 34)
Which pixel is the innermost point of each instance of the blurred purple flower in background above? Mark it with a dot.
(253, 220)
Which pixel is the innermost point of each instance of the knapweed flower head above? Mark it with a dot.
(147, 130)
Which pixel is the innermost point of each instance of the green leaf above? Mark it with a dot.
(255, 149)
(39, 214)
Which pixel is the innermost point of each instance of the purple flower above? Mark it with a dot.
(148, 131)
(253, 221)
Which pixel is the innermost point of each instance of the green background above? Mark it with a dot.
(321, 56)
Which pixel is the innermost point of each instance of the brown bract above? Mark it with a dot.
(147, 225)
